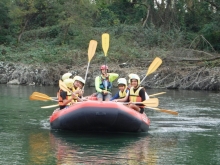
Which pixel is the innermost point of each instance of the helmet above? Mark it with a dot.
(134, 76)
(122, 81)
(69, 82)
(66, 76)
(103, 67)
(130, 75)
(78, 78)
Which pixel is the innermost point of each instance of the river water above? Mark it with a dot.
(192, 137)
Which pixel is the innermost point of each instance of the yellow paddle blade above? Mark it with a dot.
(92, 49)
(105, 43)
(154, 65)
(40, 97)
(165, 111)
(41, 94)
(156, 94)
(50, 106)
(154, 102)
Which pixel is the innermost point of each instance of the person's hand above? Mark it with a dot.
(73, 95)
(81, 92)
(115, 100)
(105, 92)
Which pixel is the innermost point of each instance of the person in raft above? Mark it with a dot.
(78, 84)
(66, 99)
(123, 90)
(136, 94)
(103, 83)
(129, 85)
(66, 76)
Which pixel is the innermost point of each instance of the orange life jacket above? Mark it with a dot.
(60, 99)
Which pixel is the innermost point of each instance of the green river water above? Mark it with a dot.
(192, 137)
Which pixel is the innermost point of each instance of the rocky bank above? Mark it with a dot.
(172, 74)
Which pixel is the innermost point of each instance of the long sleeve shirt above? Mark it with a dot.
(98, 81)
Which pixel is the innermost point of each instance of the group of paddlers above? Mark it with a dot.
(130, 92)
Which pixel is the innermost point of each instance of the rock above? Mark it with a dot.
(14, 82)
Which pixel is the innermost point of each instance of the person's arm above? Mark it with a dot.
(146, 96)
(63, 94)
(116, 96)
(142, 94)
(66, 101)
(125, 99)
(97, 84)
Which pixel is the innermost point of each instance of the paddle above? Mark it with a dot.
(51, 106)
(105, 84)
(153, 66)
(63, 86)
(41, 97)
(38, 93)
(156, 94)
(105, 44)
(154, 102)
(164, 110)
(91, 53)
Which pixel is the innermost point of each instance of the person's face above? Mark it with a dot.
(104, 71)
(134, 82)
(78, 84)
(121, 87)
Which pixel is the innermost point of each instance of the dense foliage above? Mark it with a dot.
(46, 30)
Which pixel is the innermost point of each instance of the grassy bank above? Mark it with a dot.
(127, 44)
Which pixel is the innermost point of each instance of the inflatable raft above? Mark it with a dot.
(99, 116)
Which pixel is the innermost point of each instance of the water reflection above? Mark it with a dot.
(39, 148)
(88, 148)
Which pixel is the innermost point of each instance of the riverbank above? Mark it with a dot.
(174, 73)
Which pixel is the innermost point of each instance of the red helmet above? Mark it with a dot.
(104, 67)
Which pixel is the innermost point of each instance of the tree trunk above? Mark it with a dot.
(22, 30)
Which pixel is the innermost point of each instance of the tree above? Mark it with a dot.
(21, 12)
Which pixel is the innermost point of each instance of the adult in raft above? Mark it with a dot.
(103, 84)
(136, 94)
(123, 90)
(66, 99)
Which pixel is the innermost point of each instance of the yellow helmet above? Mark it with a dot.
(69, 82)
(78, 78)
(66, 76)
(122, 81)
(134, 76)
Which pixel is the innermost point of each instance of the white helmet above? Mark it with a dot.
(78, 78)
(66, 76)
(130, 75)
(69, 82)
(122, 81)
(134, 76)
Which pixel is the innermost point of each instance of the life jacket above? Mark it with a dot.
(60, 99)
(135, 97)
(102, 85)
(123, 94)
(77, 95)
